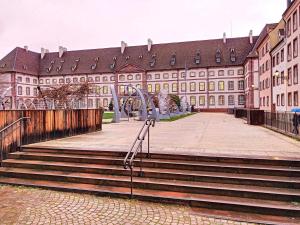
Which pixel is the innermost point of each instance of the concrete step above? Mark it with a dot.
(243, 191)
(166, 164)
(160, 173)
(289, 162)
(286, 211)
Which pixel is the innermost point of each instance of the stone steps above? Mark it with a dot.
(265, 187)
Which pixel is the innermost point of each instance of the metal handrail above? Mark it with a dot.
(5, 129)
(137, 146)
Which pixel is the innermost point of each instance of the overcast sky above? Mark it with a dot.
(84, 24)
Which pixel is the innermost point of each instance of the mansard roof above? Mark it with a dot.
(109, 60)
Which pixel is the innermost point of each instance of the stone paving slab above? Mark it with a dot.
(20, 205)
(202, 133)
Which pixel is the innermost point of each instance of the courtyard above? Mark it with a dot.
(199, 134)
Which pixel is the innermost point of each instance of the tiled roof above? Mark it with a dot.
(263, 34)
(22, 61)
(82, 61)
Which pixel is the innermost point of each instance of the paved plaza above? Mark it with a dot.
(202, 133)
(20, 205)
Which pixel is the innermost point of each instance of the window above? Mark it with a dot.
(35, 81)
(201, 74)
(295, 21)
(282, 99)
(122, 78)
(221, 100)
(182, 74)
(112, 78)
(54, 81)
(19, 79)
(277, 58)
(231, 100)
(68, 80)
(61, 80)
(75, 80)
(296, 101)
(230, 72)
(268, 100)
(202, 86)
(211, 86)
(27, 80)
(295, 74)
(166, 86)
(288, 27)
(230, 85)
(166, 76)
(211, 73)
(282, 77)
(82, 79)
(282, 55)
(183, 87)
(295, 47)
(221, 73)
(105, 102)
(212, 100)
(221, 86)
(105, 90)
(240, 72)
(192, 86)
(47, 81)
(122, 89)
(149, 87)
(129, 77)
(192, 74)
(90, 79)
(289, 76)
(289, 52)
(193, 100)
(174, 75)
(138, 76)
(174, 87)
(35, 92)
(27, 91)
(201, 100)
(20, 90)
(97, 79)
(138, 86)
(241, 85)
(157, 87)
(290, 103)
(278, 100)
(157, 76)
(149, 77)
(241, 100)
(97, 90)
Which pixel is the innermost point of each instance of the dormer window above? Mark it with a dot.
(50, 67)
(59, 68)
(75, 66)
(113, 65)
(140, 56)
(127, 58)
(218, 56)
(197, 58)
(3, 65)
(153, 60)
(232, 55)
(173, 60)
(94, 66)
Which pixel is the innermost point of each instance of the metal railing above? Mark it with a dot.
(137, 147)
(3, 134)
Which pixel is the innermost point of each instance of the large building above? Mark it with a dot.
(215, 75)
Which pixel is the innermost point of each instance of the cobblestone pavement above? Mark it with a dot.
(20, 205)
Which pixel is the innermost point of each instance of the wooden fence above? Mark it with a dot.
(45, 125)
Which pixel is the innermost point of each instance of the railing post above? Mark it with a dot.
(141, 159)
(148, 155)
(1, 150)
(131, 182)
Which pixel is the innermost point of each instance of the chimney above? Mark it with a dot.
(43, 53)
(150, 43)
(288, 3)
(224, 38)
(251, 37)
(26, 48)
(61, 51)
(123, 46)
